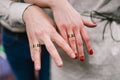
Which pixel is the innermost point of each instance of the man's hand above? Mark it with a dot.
(40, 30)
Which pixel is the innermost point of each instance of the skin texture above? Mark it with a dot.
(68, 22)
(44, 34)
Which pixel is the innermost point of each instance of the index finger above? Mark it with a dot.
(63, 44)
(87, 41)
(53, 52)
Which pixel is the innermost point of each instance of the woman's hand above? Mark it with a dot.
(71, 26)
(40, 31)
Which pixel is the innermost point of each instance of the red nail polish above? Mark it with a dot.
(76, 55)
(82, 58)
(91, 52)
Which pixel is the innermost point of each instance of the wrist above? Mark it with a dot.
(28, 13)
(48, 3)
(56, 4)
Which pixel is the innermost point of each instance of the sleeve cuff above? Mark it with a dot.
(17, 10)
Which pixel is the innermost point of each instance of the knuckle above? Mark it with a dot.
(62, 26)
(75, 28)
(81, 25)
(71, 26)
(39, 32)
(35, 50)
(81, 28)
(50, 48)
(72, 40)
(68, 27)
(62, 43)
(53, 32)
(65, 38)
(80, 43)
(87, 39)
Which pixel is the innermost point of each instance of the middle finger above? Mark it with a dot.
(79, 44)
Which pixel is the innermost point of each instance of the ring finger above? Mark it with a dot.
(35, 52)
(72, 41)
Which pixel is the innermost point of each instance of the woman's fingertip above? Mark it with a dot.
(76, 55)
(82, 58)
(91, 52)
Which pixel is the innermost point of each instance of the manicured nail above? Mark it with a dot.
(82, 58)
(91, 52)
(76, 55)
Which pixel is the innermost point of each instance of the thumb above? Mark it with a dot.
(89, 24)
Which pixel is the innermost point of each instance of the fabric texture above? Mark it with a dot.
(105, 63)
(11, 12)
(5, 70)
(17, 50)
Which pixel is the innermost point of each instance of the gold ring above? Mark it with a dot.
(36, 45)
(71, 35)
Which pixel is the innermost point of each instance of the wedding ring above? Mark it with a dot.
(71, 35)
(36, 45)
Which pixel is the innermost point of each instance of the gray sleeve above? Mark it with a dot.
(11, 12)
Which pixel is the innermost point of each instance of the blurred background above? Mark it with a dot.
(5, 70)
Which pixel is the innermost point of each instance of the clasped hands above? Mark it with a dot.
(41, 30)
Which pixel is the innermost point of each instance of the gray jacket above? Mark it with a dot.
(11, 12)
(105, 63)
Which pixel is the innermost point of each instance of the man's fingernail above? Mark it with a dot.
(60, 64)
(91, 52)
(76, 55)
(82, 58)
(37, 68)
(73, 55)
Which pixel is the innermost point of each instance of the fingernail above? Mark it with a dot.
(76, 55)
(82, 58)
(37, 68)
(60, 64)
(73, 55)
(91, 52)
(94, 22)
